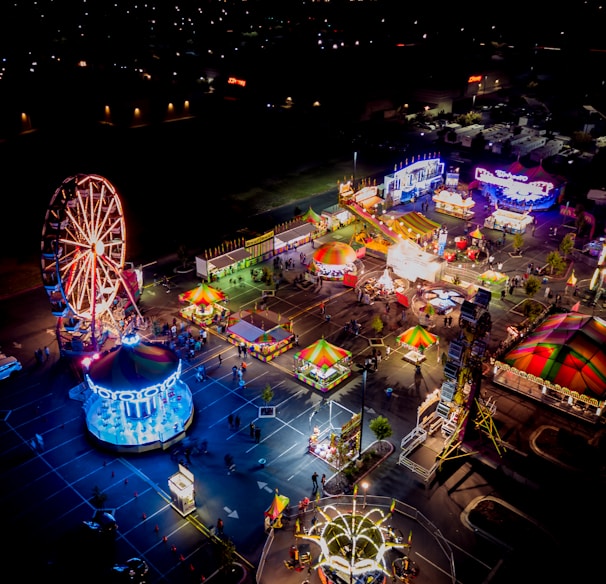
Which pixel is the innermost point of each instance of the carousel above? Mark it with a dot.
(202, 305)
(323, 365)
(334, 259)
(136, 400)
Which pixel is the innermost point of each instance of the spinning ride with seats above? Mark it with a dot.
(83, 265)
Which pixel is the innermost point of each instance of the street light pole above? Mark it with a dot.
(355, 160)
(365, 370)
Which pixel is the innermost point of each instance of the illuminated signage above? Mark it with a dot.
(508, 180)
(474, 79)
(236, 81)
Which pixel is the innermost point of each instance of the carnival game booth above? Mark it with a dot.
(519, 188)
(212, 267)
(293, 237)
(137, 401)
(323, 365)
(203, 306)
(416, 340)
(414, 180)
(562, 359)
(334, 259)
(454, 203)
(336, 217)
(508, 221)
(262, 334)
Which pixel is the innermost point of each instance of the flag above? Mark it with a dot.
(355, 491)
(576, 307)
(410, 538)
(392, 506)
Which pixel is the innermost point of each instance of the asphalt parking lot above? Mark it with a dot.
(49, 488)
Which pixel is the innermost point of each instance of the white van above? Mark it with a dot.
(8, 366)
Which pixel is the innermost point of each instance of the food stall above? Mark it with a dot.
(323, 365)
(262, 334)
(454, 203)
(508, 221)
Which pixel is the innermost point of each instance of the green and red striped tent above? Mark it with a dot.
(203, 294)
(323, 354)
(567, 351)
(416, 337)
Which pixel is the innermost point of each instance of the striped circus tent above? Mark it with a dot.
(203, 294)
(565, 352)
(323, 354)
(417, 337)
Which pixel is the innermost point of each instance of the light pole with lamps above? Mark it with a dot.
(365, 369)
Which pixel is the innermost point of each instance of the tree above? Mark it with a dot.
(532, 286)
(226, 550)
(268, 394)
(377, 324)
(381, 428)
(518, 242)
(555, 262)
(567, 244)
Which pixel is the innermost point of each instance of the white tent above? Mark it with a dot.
(410, 262)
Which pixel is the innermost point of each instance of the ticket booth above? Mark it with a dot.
(181, 487)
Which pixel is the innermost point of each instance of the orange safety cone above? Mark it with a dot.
(136, 494)
(181, 558)
(164, 538)
(173, 548)
(192, 568)
(156, 528)
(144, 515)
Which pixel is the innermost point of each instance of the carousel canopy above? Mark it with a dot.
(566, 350)
(417, 337)
(203, 294)
(322, 354)
(335, 253)
(134, 367)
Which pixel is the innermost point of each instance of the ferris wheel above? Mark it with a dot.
(82, 258)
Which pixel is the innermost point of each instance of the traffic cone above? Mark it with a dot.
(144, 516)
(181, 558)
(192, 568)
(126, 481)
(164, 538)
(173, 548)
(136, 494)
(156, 528)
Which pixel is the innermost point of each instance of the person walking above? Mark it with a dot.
(237, 422)
(220, 360)
(220, 526)
(314, 480)
(252, 429)
(234, 371)
(46, 353)
(230, 421)
(323, 481)
(257, 435)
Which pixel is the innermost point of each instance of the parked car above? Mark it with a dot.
(9, 366)
(103, 521)
(134, 570)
